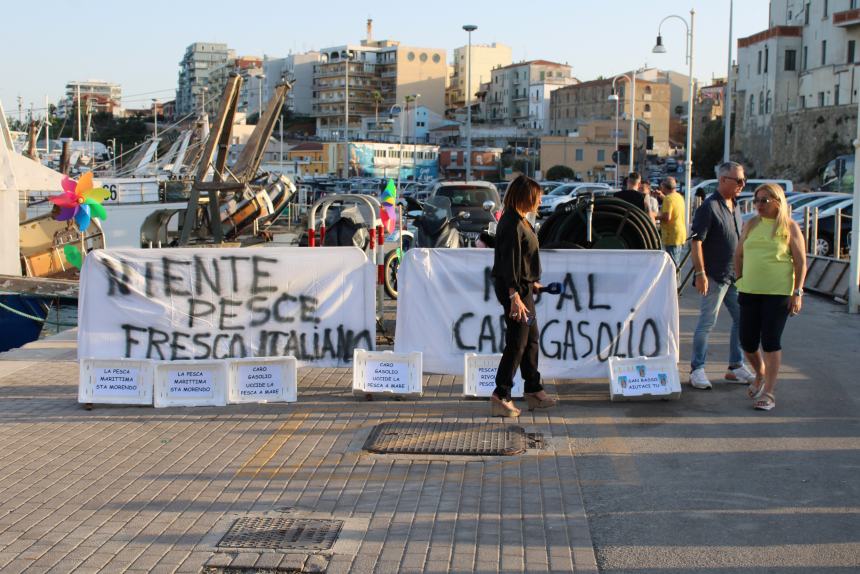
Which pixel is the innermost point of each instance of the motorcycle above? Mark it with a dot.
(433, 226)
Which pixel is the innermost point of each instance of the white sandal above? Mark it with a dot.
(766, 403)
(754, 391)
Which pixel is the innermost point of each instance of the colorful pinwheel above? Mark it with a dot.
(388, 212)
(81, 201)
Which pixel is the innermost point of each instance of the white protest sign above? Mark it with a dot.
(190, 383)
(644, 377)
(263, 380)
(479, 376)
(115, 381)
(614, 303)
(387, 372)
(316, 305)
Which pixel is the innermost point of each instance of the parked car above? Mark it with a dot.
(565, 193)
(470, 197)
(827, 232)
(709, 186)
(838, 174)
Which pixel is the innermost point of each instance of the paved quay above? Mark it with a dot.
(704, 484)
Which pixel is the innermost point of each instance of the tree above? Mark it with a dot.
(377, 99)
(708, 148)
(559, 172)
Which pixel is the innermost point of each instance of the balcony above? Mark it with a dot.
(847, 19)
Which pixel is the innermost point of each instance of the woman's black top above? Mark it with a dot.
(517, 262)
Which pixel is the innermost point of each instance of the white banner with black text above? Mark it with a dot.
(316, 305)
(613, 303)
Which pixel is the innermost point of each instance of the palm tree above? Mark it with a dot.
(377, 99)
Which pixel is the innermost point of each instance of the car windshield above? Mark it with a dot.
(468, 195)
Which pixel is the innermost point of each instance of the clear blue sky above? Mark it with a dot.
(139, 44)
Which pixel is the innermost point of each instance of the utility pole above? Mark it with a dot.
(20, 110)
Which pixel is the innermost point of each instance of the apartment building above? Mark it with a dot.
(804, 61)
(95, 95)
(484, 58)
(381, 74)
(298, 69)
(518, 94)
(249, 68)
(571, 107)
(588, 149)
(199, 60)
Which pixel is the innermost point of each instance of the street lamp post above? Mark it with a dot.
(854, 254)
(727, 100)
(415, 139)
(260, 79)
(155, 133)
(346, 56)
(614, 96)
(660, 49)
(403, 119)
(469, 28)
(400, 149)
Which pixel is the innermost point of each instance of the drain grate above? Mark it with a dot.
(281, 533)
(447, 438)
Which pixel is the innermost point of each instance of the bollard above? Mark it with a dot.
(380, 255)
(322, 234)
(311, 238)
(837, 234)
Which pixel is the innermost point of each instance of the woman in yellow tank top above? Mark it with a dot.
(771, 262)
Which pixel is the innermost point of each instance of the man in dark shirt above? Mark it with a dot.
(714, 237)
(632, 193)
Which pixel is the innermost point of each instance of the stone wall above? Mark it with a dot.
(790, 147)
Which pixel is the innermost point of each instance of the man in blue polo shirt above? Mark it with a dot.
(714, 237)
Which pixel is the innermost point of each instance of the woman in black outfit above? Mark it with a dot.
(516, 271)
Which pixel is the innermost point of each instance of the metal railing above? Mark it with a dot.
(827, 236)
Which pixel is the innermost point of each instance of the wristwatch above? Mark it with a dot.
(798, 292)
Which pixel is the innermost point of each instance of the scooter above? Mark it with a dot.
(435, 226)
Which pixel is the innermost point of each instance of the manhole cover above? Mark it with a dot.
(281, 533)
(447, 438)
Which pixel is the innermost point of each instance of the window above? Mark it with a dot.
(752, 104)
(601, 155)
(820, 99)
(767, 103)
(851, 47)
(806, 14)
(825, 9)
(760, 103)
(790, 60)
(802, 102)
(542, 76)
(759, 62)
(805, 57)
(766, 53)
(836, 95)
(579, 154)
(823, 52)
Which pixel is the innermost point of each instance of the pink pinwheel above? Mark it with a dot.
(81, 201)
